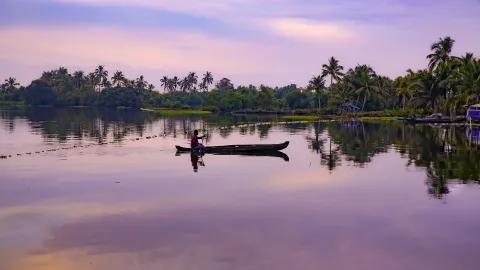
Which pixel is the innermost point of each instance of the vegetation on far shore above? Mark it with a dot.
(447, 85)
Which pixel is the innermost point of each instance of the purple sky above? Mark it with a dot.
(274, 42)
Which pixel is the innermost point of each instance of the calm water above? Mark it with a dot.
(351, 196)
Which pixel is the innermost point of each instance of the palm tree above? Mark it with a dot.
(440, 52)
(118, 79)
(206, 80)
(317, 83)
(468, 58)
(426, 90)
(106, 84)
(403, 85)
(165, 83)
(150, 87)
(364, 82)
(184, 84)
(11, 83)
(101, 76)
(141, 83)
(47, 76)
(62, 72)
(192, 81)
(78, 79)
(173, 83)
(333, 69)
(468, 80)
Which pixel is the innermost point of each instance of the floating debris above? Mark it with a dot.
(2, 157)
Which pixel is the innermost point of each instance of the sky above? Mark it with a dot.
(272, 42)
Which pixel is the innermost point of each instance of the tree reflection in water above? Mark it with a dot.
(447, 154)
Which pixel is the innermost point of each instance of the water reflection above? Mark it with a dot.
(198, 159)
(449, 155)
(361, 191)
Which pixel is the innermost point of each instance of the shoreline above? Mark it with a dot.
(283, 115)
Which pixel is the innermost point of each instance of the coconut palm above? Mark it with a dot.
(173, 83)
(468, 81)
(207, 80)
(165, 82)
(317, 83)
(387, 90)
(78, 79)
(141, 83)
(150, 87)
(468, 58)
(101, 76)
(192, 81)
(404, 89)
(425, 90)
(47, 76)
(440, 52)
(364, 83)
(333, 69)
(106, 84)
(184, 84)
(118, 79)
(11, 83)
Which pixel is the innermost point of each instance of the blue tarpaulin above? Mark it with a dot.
(350, 106)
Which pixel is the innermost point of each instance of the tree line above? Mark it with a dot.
(446, 85)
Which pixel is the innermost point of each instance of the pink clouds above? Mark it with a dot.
(273, 42)
(310, 30)
(148, 50)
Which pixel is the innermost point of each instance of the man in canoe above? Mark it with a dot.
(194, 144)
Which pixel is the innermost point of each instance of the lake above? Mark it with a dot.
(105, 189)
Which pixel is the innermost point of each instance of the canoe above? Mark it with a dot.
(238, 148)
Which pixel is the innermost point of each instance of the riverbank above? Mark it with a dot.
(177, 111)
(336, 118)
(11, 104)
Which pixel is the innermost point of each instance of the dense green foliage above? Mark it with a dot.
(447, 85)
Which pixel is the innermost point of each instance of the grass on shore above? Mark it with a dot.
(178, 111)
(5, 103)
(378, 118)
(300, 117)
(339, 117)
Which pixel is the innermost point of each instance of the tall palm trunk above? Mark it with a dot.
(364, 101)
(319, 104)
(453, 111)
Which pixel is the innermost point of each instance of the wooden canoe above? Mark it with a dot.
(238, 148)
